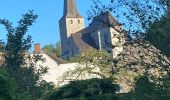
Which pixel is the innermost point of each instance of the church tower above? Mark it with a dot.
(71, 23)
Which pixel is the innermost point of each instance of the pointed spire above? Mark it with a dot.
(70, 8)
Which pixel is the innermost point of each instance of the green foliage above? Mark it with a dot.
(8, 90)
(141, 58)
(148, 89)
(94, 62)
(53, 49)
(17, 43)
(165, 87)
(92, 89)
(49, 48)
(159, 33)
(58, 49)
(20, 65)
(7, 86)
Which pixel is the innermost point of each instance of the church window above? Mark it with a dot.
(71, 21)
(78, 21)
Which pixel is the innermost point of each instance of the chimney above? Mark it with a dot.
(37, 48)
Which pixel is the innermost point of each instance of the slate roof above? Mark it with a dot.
(102, 21)
(78, 39)
(83, 39)
(70, 9)
(55, 58)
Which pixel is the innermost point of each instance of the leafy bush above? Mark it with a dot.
(8, 89)
(92, 89)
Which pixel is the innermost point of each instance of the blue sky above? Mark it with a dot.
(46, 28)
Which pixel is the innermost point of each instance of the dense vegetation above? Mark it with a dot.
(53, 49)
(141, 66)
(159, 33)
(93, 89)
(135, 65)
(19, 64)
(8, 89)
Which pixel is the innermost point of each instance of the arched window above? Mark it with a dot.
(71, 21)
(78, 21)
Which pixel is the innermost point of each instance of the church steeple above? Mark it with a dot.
(70, 8)
(71, 23)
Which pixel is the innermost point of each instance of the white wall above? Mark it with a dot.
(55, 70)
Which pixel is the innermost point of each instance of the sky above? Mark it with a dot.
(46, 29)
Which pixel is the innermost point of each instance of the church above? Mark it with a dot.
(104, 32)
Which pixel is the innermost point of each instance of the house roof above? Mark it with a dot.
(102, 21)
(54, 57)
(83, 38)
(78, 39)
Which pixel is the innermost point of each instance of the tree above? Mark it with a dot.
(139, 56)
(147, 89)
(49, 48)
(136, 59)
(18, 62)
(132, 13)
(92, 89)
(153, 26)
(164, 87)
(56, 49)
(8, 90)
(91, 63)
(158, 33)
(6, 86)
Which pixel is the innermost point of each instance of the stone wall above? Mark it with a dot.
(105, 37)
(70, 49)
(69, 26)
(108, 39)
(102, 38)
(63, 36)
(74, 25)
(95, 36)
(117, 41)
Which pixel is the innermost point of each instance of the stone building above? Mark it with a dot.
(57, 68)
(104, 32)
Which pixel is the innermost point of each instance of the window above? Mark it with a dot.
(71, 21)
(78, 21)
